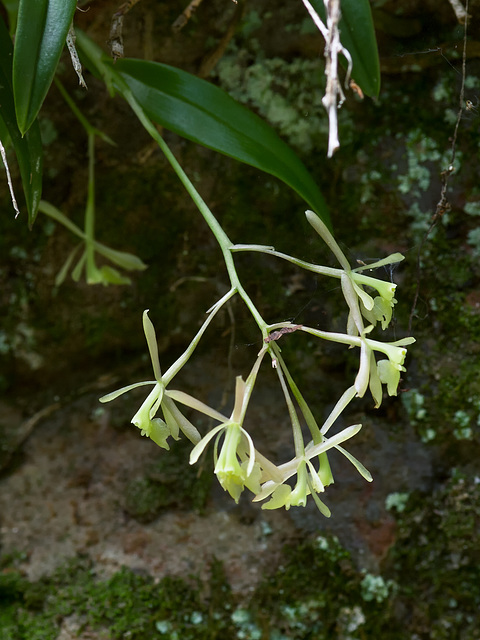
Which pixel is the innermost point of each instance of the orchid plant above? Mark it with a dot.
(237, 462)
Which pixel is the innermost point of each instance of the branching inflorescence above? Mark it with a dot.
(238, 464)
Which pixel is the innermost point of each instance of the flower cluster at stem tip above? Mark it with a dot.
(237, 463)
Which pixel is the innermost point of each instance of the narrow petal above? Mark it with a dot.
(186, 427)
(239, 395)
(375, 384)
(391, 259)
(357, 464)
(115, 394)
(193, 403)
(335, 440)
(365, 297)
(363, 375)
(152, 345)
(324, 510)
(198, 448)
(351, 299)
(317, 485)
(403, 342)
(251, 451)
(171, 422)
(156, 405)
(345, 399)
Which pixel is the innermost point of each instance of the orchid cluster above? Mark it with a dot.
(237, 463)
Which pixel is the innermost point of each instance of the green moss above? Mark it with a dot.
(318, 593)
(125, 606)
(438, 544)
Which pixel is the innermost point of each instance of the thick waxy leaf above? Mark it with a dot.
(28, 149)
(41, 33)
(357, 34)
(201, 112)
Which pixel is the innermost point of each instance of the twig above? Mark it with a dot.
(212, 58)
(9, 179)
(185, 16)
(443, 205)
(115, 40)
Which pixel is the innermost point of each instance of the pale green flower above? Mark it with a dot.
(155, 428)
(161, 399)
(372, 375)
(235, 466)
(309, 481)
(374, 309)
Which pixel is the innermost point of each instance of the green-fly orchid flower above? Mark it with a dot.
(235, 466)
(371, 374)
(308, 483)
(359, 301)
(155, 428)
(159, 398)
(308, 478)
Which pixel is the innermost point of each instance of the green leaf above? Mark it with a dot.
(205, 114)
(200, 111)
(28, 149)
(357, 34)
(41, 32)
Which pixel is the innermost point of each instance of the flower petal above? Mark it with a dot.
(171, 422)
(239, 397)
(356, 463)
(374, 383)
(251, 451)
(324, 510)
(186, 427)
(365, 297)
(329, 443)
(115, 394)
(199, 447)
(193, 403)
(345, 399)
(363, 375)
(149, 330)
(391, 259)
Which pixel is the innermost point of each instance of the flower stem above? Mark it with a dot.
(221, 237)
